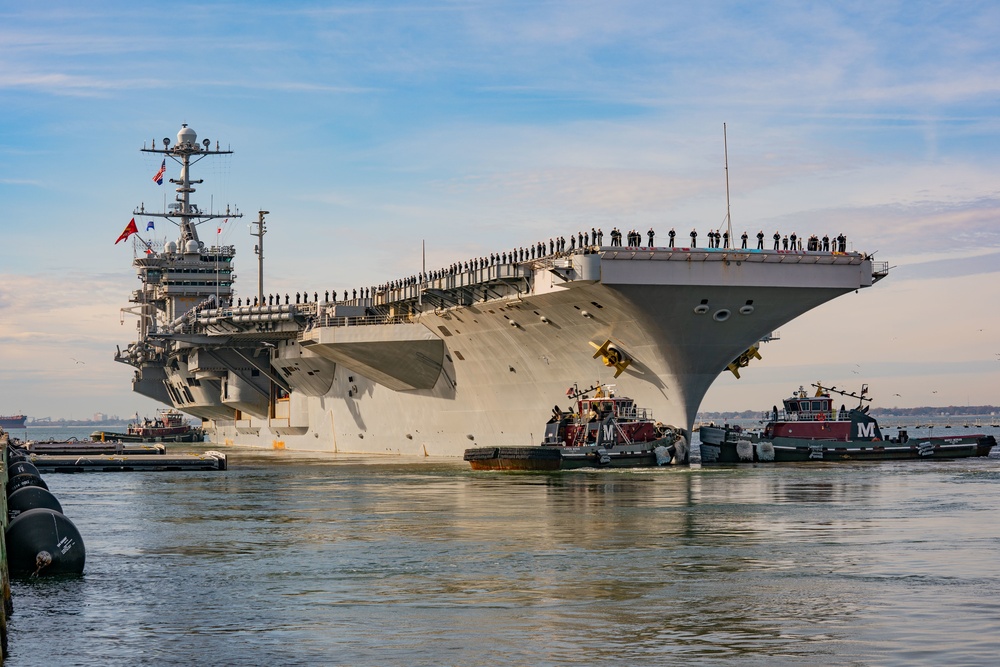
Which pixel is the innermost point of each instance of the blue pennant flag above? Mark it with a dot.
(149, 225)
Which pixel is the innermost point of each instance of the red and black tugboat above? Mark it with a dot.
(602, 431)
(811, 428)
(168, 426)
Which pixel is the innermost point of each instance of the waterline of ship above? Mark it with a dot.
(294, 559)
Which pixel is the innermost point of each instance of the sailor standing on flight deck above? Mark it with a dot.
(672, 234)
(760, 240)
(777, 239)
(694, 238)
(650, 234)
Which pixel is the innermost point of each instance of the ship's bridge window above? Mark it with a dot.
(792, 406)
(817, 406)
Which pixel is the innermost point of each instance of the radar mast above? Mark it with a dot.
(186, 152)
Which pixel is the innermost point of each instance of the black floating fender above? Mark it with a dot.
(29, 498)
(21, 467)
(43, 542)
(14, 454)
(25, 479)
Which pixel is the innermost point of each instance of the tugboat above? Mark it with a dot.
(168, 426)
(603, 431)
(810, 428)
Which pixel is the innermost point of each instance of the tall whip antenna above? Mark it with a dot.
(729, 219)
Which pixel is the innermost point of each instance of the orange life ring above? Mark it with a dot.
(821, 417)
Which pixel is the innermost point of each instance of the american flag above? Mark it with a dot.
(158, 178)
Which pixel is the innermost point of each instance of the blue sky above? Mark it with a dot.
(367, 127)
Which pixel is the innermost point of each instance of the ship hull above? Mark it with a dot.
(550, 458)
(13, 422)
(189, 436)
(792, 450)
(505, 362)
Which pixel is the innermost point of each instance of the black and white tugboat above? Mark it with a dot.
(601, 431)
(811, 428)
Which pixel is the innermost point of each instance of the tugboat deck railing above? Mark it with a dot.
(825, 416)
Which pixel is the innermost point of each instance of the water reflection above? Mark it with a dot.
(287, 559)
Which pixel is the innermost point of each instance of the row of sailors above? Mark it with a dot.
(553, 247)
(303, 297)
(787, 242)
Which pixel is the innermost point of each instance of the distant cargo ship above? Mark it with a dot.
(13, 421)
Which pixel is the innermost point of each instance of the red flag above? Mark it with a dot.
(129, 231)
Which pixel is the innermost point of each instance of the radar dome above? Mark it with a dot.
(170, 247)
(191, 246)
(186, 136)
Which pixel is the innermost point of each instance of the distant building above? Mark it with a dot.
(100, 417)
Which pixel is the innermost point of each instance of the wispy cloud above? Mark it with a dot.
(480, 126)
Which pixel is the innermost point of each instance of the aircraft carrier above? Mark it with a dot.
(476, 354)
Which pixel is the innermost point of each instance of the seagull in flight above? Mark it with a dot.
(78, 361)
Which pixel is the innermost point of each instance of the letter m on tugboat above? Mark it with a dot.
(866, 431)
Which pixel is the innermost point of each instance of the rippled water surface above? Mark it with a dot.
(288, 559)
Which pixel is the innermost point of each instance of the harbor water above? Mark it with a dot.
(297, 559)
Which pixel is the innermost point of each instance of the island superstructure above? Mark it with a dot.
(447, 360)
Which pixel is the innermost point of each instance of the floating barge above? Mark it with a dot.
(94, 447)
(127, 463)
